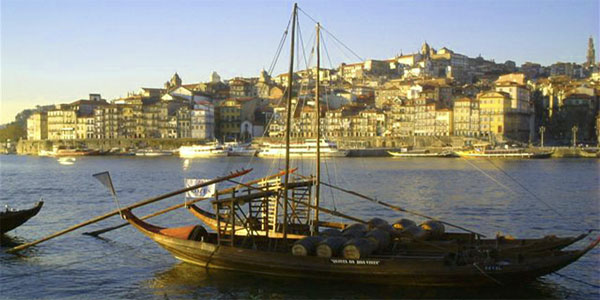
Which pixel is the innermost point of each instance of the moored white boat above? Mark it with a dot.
(153, 152)
(209, 150)
(66, 160)
(306, 149)
(46, 153)
(241, 150)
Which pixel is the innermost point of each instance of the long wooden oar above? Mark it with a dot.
(192, 201)
(116, 211)
(397, 208)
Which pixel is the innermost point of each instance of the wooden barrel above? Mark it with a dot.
(380, 237)
(331, 246)
(358, 248)
(355, 231)
(306, 246)
(414, 232)
(376, 223)
(330, 232)
(404, 223)
(354, 234)
(434, 229)
(199, 233)
(389, 229)
(356, 226)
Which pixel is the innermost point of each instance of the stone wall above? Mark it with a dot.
(33, 147)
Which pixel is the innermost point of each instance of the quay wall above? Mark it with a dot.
(359, 147)
(33, 147)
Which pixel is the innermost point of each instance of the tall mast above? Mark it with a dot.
(318, 109)
(288, 125)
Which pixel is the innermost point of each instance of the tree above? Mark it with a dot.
(13, 132)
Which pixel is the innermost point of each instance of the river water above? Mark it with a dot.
(524, 198)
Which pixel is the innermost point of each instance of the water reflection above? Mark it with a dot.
(186, 280)
(9, 241)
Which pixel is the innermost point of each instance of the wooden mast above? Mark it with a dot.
(318, 109)
(288, 125)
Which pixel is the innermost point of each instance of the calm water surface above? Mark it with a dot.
(485, 196)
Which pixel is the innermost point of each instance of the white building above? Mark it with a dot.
(202, 120)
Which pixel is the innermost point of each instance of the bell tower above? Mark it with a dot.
(591, 53)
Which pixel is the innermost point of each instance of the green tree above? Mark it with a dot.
(13, 132)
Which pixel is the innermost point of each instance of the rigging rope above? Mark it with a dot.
(525, 188)
(280, 47)
(332, 35)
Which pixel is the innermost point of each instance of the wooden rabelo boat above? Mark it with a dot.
(11, 219)
(462, 269)
(272, 227)
(447, 241)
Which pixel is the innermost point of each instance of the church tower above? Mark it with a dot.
(591, 53)
(214, 77)
(174, 82)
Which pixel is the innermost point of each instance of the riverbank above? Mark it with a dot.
(366, 147)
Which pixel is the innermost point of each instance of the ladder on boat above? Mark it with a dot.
(270, 209)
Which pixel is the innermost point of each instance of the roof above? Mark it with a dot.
(91, 102)
(153, 89)
(494, 94)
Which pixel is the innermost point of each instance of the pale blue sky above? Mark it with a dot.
(60, 51)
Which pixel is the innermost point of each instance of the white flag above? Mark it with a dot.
(104, 178)
(203, 192)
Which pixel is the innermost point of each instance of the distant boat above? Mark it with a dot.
(75, 152)
(153, 152)
(421, 153)
(46, 153)
(11, 219)
(62, 152)
(589, 154)
(237, 149)
(208, 150)
(306, 149)
(120, 152)
(66, 160)
(504, 153)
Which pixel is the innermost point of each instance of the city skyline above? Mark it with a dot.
(60, 52)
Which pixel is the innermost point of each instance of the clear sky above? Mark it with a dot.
(60, 51)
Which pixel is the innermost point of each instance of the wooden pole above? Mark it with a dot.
(288, 125)
(174, 207)
(116, 211)
(315, 228)
(397, 208)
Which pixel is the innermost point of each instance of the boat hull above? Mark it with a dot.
(12, 219)
(408, 154)
(203, 155)
(397, 270)
(448, 242)
(341, 153)
(153, 154)
(503, 155)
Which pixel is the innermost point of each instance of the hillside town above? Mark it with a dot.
(429, 93)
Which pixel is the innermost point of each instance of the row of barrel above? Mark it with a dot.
(358, 240)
